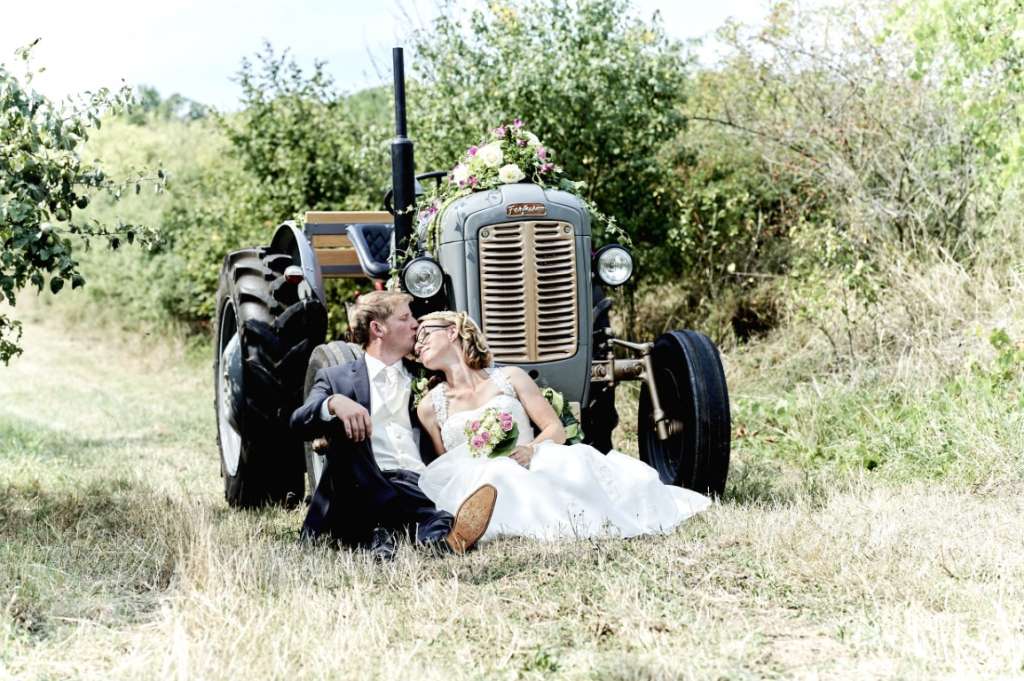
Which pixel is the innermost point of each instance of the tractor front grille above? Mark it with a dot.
(528, 290)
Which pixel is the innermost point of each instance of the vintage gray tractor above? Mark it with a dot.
(520, 261)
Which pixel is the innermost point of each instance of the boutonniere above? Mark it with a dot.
(419, 389)
(420, 384)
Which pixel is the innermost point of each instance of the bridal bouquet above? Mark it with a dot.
(493, 434)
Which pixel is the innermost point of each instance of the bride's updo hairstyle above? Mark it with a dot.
(469, 337)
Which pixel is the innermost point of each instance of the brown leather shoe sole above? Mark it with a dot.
(472, 518)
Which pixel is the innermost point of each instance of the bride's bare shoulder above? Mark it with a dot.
(513, 373)
(519, 379)
(427, 409)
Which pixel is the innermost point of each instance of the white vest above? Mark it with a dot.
(395, 443)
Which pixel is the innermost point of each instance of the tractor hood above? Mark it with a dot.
(512, 203)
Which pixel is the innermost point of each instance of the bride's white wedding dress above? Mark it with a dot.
(569, 491)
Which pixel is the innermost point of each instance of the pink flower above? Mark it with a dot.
(474, 426)
(485, 436)
(472, 181)
(471, 151)
(499, 132)
(506, 425)
(546, 167)
(542, 153)
(477, 441)
(521, 143)
(518, 123)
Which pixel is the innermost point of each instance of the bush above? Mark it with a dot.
(823, 154)
(44, 186)
(602, 89)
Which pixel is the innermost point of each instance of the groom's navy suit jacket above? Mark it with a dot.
(352, 380)
(354, 495)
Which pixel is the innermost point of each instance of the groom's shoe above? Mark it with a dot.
(383, 545)
(471, 519)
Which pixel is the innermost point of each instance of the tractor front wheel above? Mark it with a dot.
(692, 392)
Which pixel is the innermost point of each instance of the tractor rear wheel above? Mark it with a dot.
(692, 392)
(265, 329)
(325, 356)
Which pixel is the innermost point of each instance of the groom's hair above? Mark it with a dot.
(375, 306)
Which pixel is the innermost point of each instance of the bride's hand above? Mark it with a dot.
(523, 455)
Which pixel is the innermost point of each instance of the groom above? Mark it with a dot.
(368, 489)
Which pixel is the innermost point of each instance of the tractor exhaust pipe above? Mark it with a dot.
(403, 169)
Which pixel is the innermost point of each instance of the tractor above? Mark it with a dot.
(520, 260)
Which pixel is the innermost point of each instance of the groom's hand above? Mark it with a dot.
(353, 416)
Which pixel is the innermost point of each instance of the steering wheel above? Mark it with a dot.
(436, 175)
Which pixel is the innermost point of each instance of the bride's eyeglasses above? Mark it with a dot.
(425, 331)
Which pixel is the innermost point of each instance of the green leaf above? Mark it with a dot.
(508, 443)
(56, 284)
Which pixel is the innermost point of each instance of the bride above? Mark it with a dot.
(546, 490)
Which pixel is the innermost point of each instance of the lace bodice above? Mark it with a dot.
(453, 425)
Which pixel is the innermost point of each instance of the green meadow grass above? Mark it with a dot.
(873, 527)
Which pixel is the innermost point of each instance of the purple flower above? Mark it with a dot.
(477, 442)
(499, 132)
(542, 153)
(546, 167)
(518, 123)
(471, 151)
(521, 143)
(506, 425)
(472, 181)
(485, 436)
(474, 426)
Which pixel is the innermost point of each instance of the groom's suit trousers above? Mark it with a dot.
(354, 495)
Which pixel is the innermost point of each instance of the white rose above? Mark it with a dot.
(532, 139)
(510, 173)
(460, 173)
(490, 155)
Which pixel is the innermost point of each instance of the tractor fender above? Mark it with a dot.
(290, 239)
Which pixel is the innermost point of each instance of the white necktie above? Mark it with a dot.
(391, 382)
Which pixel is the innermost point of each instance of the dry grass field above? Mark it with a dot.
(874, 528)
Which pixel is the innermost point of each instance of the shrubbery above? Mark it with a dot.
(44, 187)
(796, 176)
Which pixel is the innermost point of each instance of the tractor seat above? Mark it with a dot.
(373, 246)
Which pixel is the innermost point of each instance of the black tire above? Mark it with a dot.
(599, 417)
(692, 392)
(277, 325)
(332, 354)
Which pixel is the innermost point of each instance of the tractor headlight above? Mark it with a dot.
(423, 277)
(614, 265)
